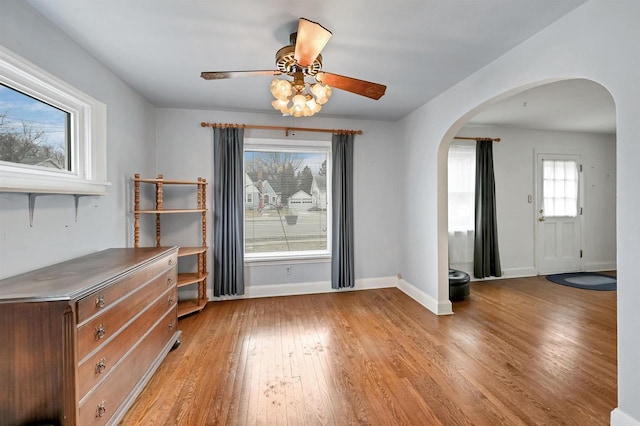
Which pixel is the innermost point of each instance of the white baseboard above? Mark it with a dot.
(619, 418)
(600, 266)
(438, 308)
(296, 289)
(519, 272)
(275, 290)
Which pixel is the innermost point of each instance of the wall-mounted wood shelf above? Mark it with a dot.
(172, 211)
(185, 279)
(188, 278)
(187, 251)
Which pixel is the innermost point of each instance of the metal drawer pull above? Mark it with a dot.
(101, 366)
(170, 300)
(100, 332)
(100, 301)
(170, 261)
(171, 326)
(101, 409)
(169, 281)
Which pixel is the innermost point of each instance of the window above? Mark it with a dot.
(52, 136)
(33, 132)
(560, 180)
(462, 181)
(283, 219)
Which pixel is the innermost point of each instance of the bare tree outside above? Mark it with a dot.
(32, 132)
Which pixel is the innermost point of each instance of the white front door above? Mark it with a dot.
(558, 218)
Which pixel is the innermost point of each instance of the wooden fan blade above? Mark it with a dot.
(353, 85)
(219, 75)
(310, 40)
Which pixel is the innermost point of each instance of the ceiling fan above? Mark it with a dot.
(302, 59)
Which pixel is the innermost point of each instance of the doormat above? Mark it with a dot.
(585, 280)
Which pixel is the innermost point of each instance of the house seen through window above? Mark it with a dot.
(32, 132)
(286, 201)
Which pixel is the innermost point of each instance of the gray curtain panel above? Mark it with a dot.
(342, 264)
(486, 256)
(228, 232)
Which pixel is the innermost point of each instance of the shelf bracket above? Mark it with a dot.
(32, 207)
(32, 204)
(76, 199)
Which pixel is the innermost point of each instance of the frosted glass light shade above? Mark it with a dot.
(313, 106)
(322, 92)
(281, 89)
(281, 105)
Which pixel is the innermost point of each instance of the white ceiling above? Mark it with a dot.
(418, 48)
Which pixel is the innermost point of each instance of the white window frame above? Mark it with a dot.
(88, 134)
(266, 145)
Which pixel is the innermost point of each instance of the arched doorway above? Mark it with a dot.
(562, 116)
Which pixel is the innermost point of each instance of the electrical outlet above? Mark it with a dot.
(288, 270)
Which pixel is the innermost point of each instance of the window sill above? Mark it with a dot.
(52, 184)
(284, 260)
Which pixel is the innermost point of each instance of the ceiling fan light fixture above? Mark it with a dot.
(281, 89)
(313, 106)
(281, 105)
(298, 99)
(322, 92)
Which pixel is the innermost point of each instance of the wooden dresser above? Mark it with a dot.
(79, 340)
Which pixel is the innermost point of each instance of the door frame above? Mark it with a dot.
(537, 244)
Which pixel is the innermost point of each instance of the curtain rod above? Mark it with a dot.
(286, 129)
(478, 139)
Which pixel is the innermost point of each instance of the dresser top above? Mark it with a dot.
(75, 278)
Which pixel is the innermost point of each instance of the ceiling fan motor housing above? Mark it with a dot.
(286, 63)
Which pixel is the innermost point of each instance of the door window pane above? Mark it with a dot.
(560, 188)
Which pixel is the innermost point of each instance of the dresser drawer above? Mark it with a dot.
(102, 403)
(104, 326)
(98, 365)
(101, 300)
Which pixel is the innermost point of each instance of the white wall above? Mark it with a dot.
(185, 152)
(597, 41)
(514, 172)
(103, 221)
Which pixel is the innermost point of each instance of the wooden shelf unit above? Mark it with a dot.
(185, 279)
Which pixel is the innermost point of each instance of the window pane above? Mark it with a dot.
(560, 188)
(32, 132)
(559, 170)
(549, 188)
(462, 178)
(570, 207)
(286, 201)
(549, 207)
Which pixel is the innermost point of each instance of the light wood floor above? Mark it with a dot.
(519, 351)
